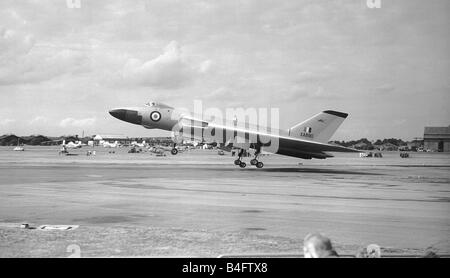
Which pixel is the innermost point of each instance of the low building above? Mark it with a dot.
(112, 138)
(437, 139)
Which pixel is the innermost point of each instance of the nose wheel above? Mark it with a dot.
(174, 150)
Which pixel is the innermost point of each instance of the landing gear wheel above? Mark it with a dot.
(237, 162)
(253, 162)
(242, 164)
(259, 164)
(174, 151)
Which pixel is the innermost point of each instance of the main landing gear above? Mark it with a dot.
(239, 161)
(254, 161)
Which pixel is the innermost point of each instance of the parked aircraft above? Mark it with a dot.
(306, 140)
(158, 149)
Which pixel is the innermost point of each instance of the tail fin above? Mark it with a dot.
(320, 127)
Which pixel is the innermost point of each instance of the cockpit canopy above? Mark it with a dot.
(157, 104)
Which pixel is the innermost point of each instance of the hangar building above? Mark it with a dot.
(437, 139)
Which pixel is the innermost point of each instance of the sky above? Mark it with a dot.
(65, 63)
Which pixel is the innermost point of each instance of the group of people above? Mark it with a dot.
(316, 245)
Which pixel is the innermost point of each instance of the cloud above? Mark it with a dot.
(169, 70)
(34, 68)
(384, 89)
(113, 53)
(71, 122)
(400, 122)
(205, 66)
(322, 74)
(13, 43)
(223, 94)
(226, 96)
(21, 61)
(38, 120)
(6, 122)
(311, 92)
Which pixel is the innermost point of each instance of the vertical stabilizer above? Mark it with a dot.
(320, 127)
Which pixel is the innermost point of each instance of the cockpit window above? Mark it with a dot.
(157, 104)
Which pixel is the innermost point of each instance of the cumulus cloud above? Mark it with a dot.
(169, 70)
(21, 62)
(205, 66)
(266, 52)
(71, 122)
(38, 120)
(13, 43)
(36, 68)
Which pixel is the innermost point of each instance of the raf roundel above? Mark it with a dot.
(155, 116)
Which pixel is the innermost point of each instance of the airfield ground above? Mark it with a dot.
(199, 204)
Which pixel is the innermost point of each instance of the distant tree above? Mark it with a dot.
(393, 141)
(378, 142)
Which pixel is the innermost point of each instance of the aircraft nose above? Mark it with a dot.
(118, 113)
(127, 115)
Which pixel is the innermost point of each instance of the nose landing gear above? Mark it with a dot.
(174, 150)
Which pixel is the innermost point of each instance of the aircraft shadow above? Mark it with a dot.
(312, 170)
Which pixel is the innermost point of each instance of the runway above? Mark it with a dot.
(199, 204)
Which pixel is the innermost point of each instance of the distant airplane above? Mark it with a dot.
(305, 140)
(161, 150)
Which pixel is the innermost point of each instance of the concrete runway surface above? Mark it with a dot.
(199, 204)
